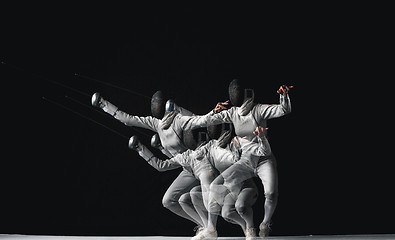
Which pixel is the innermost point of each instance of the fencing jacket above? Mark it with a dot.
(245, 125)
(194, 161)
(209, 155)
(171, 138)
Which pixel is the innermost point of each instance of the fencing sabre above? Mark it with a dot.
(102, 113)
(78, 75)
(83, 116)
(80, 92)
(112, 85)
(45, 79)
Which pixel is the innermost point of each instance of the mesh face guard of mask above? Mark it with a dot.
(158, 102)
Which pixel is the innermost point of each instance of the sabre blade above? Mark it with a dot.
(83, 116)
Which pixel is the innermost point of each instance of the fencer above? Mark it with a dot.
(242, 193)
(222, 154)
(202, 163)
(198, 199)
(194, 161)
(246, 116)
(168, 122)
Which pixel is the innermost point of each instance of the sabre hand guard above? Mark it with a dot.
(143, 151)
(98, 101)
(134, 143)
(155, 142)
(96, 97)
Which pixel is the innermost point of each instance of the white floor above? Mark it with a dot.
(320, 237)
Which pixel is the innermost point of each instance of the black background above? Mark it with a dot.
(63, 174)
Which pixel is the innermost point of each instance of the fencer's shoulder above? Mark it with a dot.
(243, 140)
(212, 143)
(183, 111)
(149, 119)
(179, 115)
(152, 118)
(261, 106)
(231, 110)
(181, 118)
(187, 153)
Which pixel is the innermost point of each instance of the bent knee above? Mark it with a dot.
(227, 212)
(242, 208)
(185, 199)
(169, 202)
(196, 190)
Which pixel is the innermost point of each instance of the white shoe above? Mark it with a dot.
(264, 229)
(206, 234)
(250, 234)
(198, 231)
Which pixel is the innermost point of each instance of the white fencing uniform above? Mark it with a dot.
(245, 122)
(171, 139)
(235, 210)
(231, 178)
(194, 161)
(245, 125)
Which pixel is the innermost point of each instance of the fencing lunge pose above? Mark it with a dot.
(200, 162)
(223, 153)
(244, 191)
(168, 122)
(246, 116)
(193, 161)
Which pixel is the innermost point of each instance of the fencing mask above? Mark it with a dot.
(158, 102)
(236, 93)
(194, 138)
(222, 132)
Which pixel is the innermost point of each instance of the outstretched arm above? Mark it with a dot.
(155, 142)
(158, 164)
(149, 122)
(217, 116)
(277, 110)
(184, 112)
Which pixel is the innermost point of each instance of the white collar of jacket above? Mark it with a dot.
(225, 139)
(246, 107)
(168, 119)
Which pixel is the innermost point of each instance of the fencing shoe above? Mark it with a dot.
(250, 234)
(264, 229)
(206, 234)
